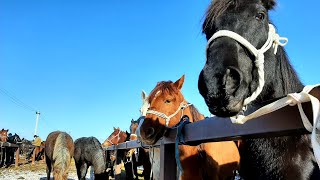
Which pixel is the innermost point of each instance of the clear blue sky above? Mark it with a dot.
(83, 64)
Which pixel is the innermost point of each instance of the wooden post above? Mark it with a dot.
(168, 167)
(34, 156)
(17, 157)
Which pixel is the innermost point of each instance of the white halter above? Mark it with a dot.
(168, 118)
(273, 40)
(110, 140)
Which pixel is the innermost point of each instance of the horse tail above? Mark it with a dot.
(61, 157)
(99, 159)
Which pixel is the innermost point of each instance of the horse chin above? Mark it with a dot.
(227, 109)
(152, 139)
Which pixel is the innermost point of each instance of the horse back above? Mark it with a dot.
(51, 143)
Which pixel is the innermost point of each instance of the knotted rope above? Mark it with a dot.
(273, 40)
(181, 107)
(291, 100)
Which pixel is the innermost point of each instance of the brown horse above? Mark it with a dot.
(139, 156)
(3, 138)
(4, 135)
(59, 149)
(216, 160)
(116, 137)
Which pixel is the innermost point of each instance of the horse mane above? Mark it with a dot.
(290, 80)
(215, 9)
(218, 7)
(196, 115)
(164, 86)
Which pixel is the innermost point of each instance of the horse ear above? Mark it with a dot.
(144, 95)
(132, 121)
(179, 82)
(269, 4)
(114, 128)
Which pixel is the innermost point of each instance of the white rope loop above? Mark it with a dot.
(118, 135)
(292, 100)
(274, 40)
(181, 107)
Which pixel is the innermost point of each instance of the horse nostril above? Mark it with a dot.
(150, 132)
(232, 79)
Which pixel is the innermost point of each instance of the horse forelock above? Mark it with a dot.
(163, 87)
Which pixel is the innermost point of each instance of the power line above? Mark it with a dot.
(16, 100)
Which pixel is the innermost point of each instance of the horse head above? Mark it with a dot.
(3, 135)
(241, 42)
(133, 129)
(166, 108)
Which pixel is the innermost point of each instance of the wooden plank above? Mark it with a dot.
(7, 144)
(17, 158)
(168, 167)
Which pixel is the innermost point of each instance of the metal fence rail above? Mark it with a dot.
(285, 121)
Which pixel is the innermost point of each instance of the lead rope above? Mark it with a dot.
(292, 100)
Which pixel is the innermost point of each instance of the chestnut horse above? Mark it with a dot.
(216, 160)
(116, 137)
(59, 149)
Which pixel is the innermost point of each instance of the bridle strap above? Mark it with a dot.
(273, 40)
(110, 140)
(181, 107)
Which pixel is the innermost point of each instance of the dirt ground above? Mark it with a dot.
(37, 171)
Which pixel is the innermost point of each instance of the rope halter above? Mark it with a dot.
(110, 140)
(168, 118)
(273, 40)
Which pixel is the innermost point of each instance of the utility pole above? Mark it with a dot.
(37, 120)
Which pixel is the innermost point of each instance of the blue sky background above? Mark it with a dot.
(83, 64)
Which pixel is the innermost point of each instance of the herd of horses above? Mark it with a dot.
(246, 68)
(25, 147)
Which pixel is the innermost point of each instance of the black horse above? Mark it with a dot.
(88, 152)
(230, 76)
(9, 151)
(139, 156)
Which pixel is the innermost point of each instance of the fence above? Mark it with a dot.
(221, 129)
(11, 145)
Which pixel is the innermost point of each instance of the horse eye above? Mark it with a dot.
(260, 16)
(167, 101)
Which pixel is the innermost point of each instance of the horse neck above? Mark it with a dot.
(192, 113)
(280, 78)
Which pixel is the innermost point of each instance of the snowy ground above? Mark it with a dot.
(33, 172)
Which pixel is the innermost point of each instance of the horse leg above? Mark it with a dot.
(146, 167)
(48, 169)
(8, 157)
(82, 171)
(2, 156)
(134, 164)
